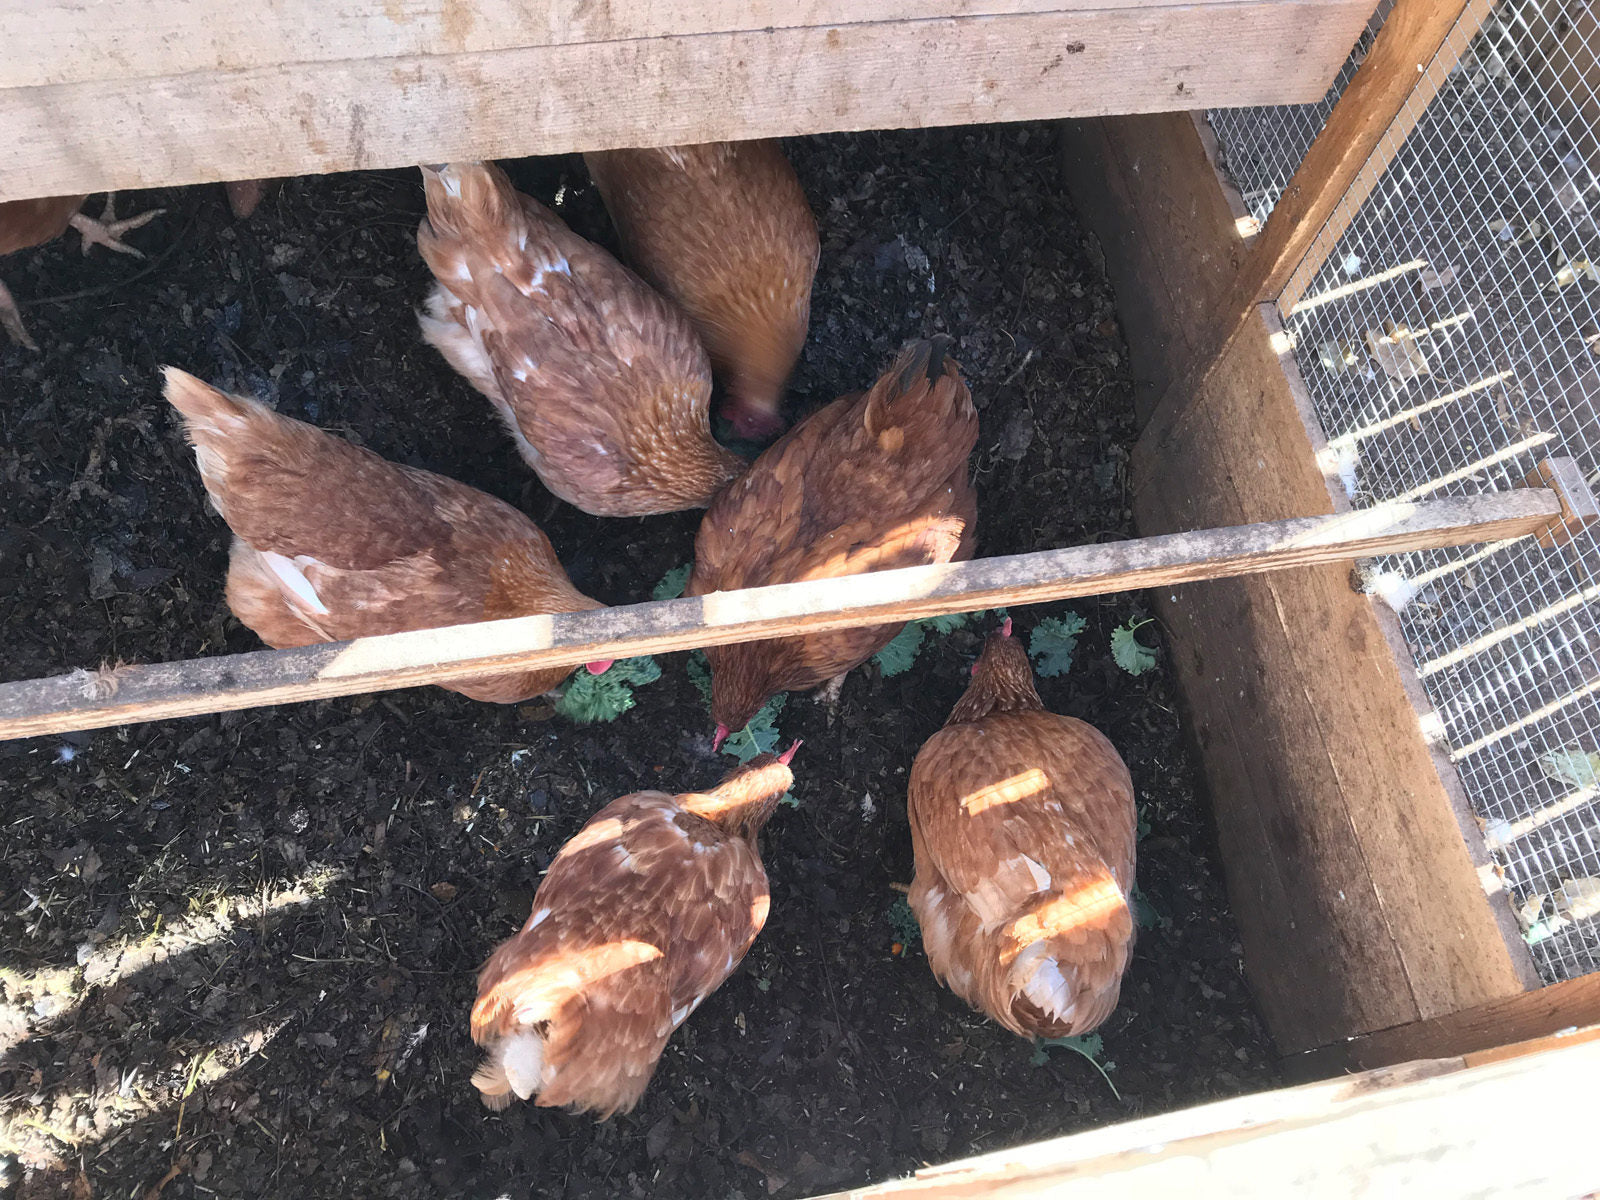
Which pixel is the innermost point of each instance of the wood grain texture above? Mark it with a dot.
(1542, 1013)
(497, 647)
(1170, 268)
(355, 113)
(74, 43)
(1441, 1128)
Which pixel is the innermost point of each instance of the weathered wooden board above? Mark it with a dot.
(132, 694)
(1171, 268)
(1444, 1128)
(1539, 1014)
(417, 99)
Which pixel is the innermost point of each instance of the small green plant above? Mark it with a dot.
(1052, 643)
(1130, 654)
(903, 922)
(1089, 1045)
(592, 698)
(1145, 914)
(700, 674)
(898, 656)
(672, 583)
(760, 735)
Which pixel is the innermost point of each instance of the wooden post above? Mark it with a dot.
(87, 701)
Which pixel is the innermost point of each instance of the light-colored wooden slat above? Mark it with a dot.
(1428, 84)
(1441, 1129)
(1541, 1013)
(352, 114)
(52, 43)
(1410, 38)
(494, 647)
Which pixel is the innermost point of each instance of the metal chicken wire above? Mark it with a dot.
(1449, 342)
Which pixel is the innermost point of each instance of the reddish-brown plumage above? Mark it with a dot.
(25, 223)
(723, 229)
(603, 384)
(332, 542)
(640, 917)
(869, 483)
(1023, 828)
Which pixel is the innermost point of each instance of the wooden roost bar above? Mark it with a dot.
(1373, 934)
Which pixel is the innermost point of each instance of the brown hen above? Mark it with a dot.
(869, 483)
(640, 917)
(28, 223)
(332, 542)
(603, 384)
(1023, 826)
(723, 229)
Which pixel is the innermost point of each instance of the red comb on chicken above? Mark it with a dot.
(869, 483)
(1023, 827)
(723, 229)
(640, 917)
(603, 384)
(332, 542)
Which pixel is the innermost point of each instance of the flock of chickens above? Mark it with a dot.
(1023, 822)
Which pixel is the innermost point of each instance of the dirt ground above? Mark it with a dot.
(237, 952)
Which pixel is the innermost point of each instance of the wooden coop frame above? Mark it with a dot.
(1373, 934)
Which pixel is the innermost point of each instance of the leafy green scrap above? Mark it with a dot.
(672, 583)
(1129, 653)
(903, 922)
(898, 656)
(589, 699)
(1089, 1045)
(1052, 643)
(1580, 768)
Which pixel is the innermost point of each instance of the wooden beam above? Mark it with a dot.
(1541, 1013)
(206, 685)
(1411, 37)
(386, 109)
(1443, 1129)
(74, 43)
(1383, 153)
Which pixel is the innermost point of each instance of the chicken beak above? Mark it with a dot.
(721, 736)
(599, 668)
(788, 755)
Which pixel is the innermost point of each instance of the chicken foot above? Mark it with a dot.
(11, 319)
(108, 231)
(828, 695)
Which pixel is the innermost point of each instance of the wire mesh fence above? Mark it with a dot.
(1449, 341)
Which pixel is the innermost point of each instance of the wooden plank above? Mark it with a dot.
(1346, 788)
(495, 647)
(75, 43)
(1411, 36)
(1388, 146)
(1441, 1129)
(1538, 1014)
(307, 118)
(1172, 239)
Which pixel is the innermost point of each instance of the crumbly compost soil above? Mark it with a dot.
(237, 951)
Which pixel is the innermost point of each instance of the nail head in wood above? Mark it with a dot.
(1579, 508)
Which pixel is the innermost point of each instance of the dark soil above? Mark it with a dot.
(237, 952)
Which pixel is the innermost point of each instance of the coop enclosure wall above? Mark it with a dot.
(1448, 335)
(1438, 337)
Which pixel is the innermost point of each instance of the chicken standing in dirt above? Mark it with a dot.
(603, 384)
(332, 542)
(868, 483)
(640, 917)
(1023, 827)
(28, 223)
(724, 230)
